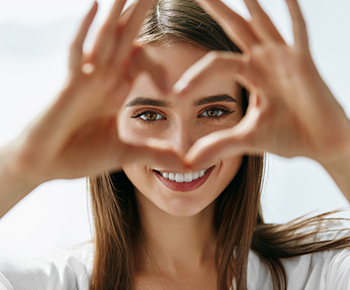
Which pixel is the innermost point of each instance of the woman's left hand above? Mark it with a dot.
(291, 111)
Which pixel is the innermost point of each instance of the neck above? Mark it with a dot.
(176, 244)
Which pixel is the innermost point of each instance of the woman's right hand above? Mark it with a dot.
(77, 135)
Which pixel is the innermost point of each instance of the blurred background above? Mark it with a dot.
(34, 40)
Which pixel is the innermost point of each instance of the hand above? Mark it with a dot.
(77, 135)
(291, 111)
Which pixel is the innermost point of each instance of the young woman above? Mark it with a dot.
(170, 116)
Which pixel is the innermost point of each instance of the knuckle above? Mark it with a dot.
(138, 52)
(119, 29)
(105, 29)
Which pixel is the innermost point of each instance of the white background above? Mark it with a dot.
(34, 41)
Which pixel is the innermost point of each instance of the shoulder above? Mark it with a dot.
(322, 270)
(56, 268)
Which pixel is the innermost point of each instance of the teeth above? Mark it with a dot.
(187, 177)
(179, 177)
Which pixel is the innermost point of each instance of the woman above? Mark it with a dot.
(174, 144)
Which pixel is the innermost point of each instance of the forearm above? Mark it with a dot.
(13, 186)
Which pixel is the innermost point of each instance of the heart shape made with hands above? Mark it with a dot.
(291, 111)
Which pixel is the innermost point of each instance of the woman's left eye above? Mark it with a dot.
(150, 116)
(214, 113)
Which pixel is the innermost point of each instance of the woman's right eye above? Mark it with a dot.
(149, 116)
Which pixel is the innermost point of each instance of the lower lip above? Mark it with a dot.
(184, 186)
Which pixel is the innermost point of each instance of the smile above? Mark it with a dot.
(183, 181)
(179, 177)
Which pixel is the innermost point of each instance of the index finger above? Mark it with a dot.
(236, 27)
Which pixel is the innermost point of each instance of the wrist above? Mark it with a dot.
(338, 168)
(14, 181)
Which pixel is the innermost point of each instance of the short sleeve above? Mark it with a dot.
(56, 269)
(338, 277)
(4, 283)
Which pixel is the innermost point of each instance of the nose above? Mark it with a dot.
(182, 137)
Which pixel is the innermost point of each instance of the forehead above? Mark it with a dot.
(176, 58)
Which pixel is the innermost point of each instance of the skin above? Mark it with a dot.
(168, 215)
(291, 113)
(60, 143)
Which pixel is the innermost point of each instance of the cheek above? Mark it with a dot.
(137, 174)
(227, 171)
(133, 132)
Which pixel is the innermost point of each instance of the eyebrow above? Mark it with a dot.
(142, 101)
(214, 99)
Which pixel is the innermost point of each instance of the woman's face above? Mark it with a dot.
(181, 122)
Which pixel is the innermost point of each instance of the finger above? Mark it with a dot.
(105, 41)
(299, 26)
(143, 62)
(131, 29)
(234, 25)
(76, 48)
(218, 63)
(156, 153)
(218, 145)
(262, 23)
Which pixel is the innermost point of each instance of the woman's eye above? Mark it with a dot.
(212, 113)
(150, 116)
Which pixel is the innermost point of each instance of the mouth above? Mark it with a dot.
(183, 181)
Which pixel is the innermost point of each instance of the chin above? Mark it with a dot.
(185, 207)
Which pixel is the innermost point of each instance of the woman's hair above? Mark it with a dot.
(239, 222)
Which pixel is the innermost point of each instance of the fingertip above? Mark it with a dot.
(182, 88)
(94, 7)
(92, 12)
(189, 159)
(188, 163)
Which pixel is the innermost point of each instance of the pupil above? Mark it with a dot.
(151, 116)
(212, 113)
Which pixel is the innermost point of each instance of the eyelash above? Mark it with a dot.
(224, 113)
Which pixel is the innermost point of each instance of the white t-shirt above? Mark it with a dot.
(69, 269)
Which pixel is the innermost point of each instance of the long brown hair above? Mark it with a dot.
(239, 222)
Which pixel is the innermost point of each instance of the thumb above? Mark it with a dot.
(154, 152)
(221, 144)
